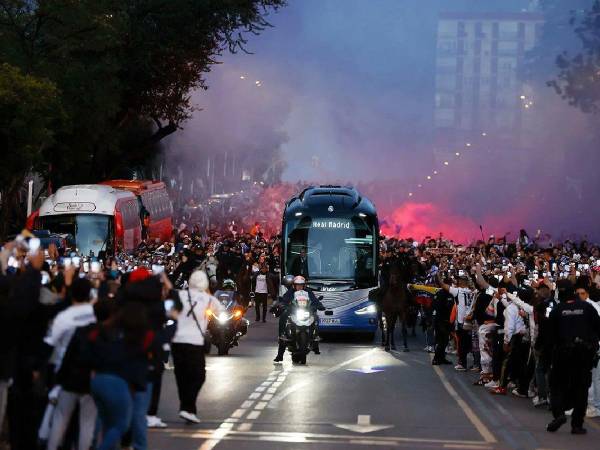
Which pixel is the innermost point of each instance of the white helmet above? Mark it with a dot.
(299, 280)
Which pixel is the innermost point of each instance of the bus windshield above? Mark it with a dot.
(332, 249)
(92, 231)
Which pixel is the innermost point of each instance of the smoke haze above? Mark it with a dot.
(345, 94)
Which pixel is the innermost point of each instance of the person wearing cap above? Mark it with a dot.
(573, 331)
(299, 284)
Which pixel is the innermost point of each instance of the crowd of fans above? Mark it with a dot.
(94, 335)
(493, 302)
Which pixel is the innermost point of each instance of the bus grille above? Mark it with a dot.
(342, 298)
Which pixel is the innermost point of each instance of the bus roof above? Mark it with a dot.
(135, 186)
(328, 199)
(84, 198)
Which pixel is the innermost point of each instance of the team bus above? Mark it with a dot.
(330, 235)
(95, 218)
(153, 198)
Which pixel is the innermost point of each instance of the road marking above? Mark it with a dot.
(267, 397)
(254, 395)
(247, 404)
(260, 405)
(238, 413)
(313, 438)
(260, 389)
(271, 390)
(485, 433)
(253, 415)
(362, 425)
(246, 426)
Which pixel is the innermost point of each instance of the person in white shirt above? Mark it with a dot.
(593, 409)
(463, 296)
(187, 346)
(79, 314)
(516, 350)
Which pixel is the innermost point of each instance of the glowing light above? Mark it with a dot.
(435, 172)
(242, 77)
(484, 134)
(446, 163)
(419, 185)
(526, 106)
(468, 144)
(457, 153)
(429, 177)
(523, 97)
(410, 194)
(257, 82)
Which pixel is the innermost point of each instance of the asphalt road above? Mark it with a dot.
(352, 396)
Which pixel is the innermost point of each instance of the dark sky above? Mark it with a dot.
(351, 82)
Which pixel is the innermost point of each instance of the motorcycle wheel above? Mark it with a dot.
(223, 348)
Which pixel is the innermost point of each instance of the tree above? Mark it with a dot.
(30, 114)
(124, 68)
(578, 80)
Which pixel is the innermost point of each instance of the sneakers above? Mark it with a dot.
(569, 412)
(492, 385)
(155, 422)
(556, 424)
(476, 369)
(498, 391)
(460, 368)
(429, 349)
(189, 417)
(539, 402)
(516, 393)
(278, 359)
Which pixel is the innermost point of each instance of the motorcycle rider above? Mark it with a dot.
(299, 284)
(230, 298)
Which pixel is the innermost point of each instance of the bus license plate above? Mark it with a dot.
(330, 321)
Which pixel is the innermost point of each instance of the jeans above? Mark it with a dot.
(141, 401)
(464, 344)
(65, 405)
(486, 333)
(115, 408)
(260, 299)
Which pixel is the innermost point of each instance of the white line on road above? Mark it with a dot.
(253, 415)
(247, 404)
(246, 426)
(254, 396)
(260, 405)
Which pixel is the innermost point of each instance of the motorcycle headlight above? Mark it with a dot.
(369, 309)
(302, 314)
(223, 317)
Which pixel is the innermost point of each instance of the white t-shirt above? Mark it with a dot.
(63, 328)
(261, 284)
(465, 299)
(187, 329)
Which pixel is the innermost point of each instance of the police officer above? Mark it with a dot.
(299, 284)
(573, 332)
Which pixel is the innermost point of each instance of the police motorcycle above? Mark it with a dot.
(227, 327)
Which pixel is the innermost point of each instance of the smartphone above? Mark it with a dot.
(76, 260)
(45, 278)
(461, 273)
(157, 269)
(169, 305)
(577, 273)
(13, 262)
(554, 267)
(94, 266)
(86, 266)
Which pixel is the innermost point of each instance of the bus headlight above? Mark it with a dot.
(369, 309)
